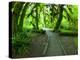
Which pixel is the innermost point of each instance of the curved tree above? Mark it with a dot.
(24, 8)
(60, 16)
(15, 15)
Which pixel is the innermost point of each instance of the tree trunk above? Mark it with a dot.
(15, 16)
(59, 18)
(22, 17)
(37, 16)
(51, 13)
(44, 18)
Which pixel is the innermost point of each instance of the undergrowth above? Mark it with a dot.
(20, 44)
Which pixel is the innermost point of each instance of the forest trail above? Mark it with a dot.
(54, 47)
(51, 44)
(59, 45)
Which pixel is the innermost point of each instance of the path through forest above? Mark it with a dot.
(59, 45)
(54, 46)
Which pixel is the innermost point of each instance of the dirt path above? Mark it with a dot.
(60, 45)
(38, 45)
(69, 44)
(54, 47)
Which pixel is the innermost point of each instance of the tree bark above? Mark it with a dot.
(44, 17)
(37, 16)
(59, 18)
(15, 16)
(22, 17)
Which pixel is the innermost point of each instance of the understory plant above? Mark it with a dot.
(20, 44)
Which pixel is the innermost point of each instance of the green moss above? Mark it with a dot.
(76, 43)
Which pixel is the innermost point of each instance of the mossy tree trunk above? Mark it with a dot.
(15, 15)
(44, 17)
(52, 12)
(60, 16)
(22, 16)
(37, 16)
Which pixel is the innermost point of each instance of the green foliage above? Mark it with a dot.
(70, 18)
(64, 24)
(39, 15)
(76, 43)
(21, 43)
(32, 17)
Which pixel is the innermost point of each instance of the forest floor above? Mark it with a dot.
(54, 47)
(38, 44)
(60, 45)
(57, 45)
(68, 43)
(50, 44)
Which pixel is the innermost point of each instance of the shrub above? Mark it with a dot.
(20, 44)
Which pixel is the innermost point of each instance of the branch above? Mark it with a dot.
(31, 11)
(68, 15)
